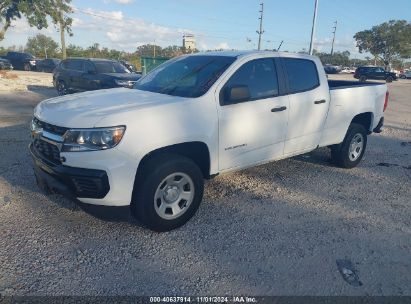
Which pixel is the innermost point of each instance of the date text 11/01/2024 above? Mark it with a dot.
(233, 299)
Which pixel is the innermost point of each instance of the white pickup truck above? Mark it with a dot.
(192, 118)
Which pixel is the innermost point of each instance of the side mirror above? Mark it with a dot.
(236, 94)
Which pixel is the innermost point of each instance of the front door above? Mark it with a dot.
(252, 130)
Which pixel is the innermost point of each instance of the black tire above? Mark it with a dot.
(403, 77)
(389, 79)
(363, 78)
(151, 178)
(61, 88)
(341, 155)
(27, 67)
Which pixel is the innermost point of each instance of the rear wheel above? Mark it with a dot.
(363, 78)
(167, 192)
(350, 152)
(61, 88)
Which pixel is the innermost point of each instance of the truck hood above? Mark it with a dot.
(84, 110)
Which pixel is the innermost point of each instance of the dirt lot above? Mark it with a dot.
(277, 229)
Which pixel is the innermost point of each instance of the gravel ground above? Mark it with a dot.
(12, 81)
(277, 229)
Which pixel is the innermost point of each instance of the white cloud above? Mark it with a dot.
(222, 46)
(110, 15)
(126, 33)
(345, 43)
(124, 2)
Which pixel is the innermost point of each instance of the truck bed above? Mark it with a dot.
(343, 84)
(347, 99)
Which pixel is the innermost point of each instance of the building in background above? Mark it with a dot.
(189, 43)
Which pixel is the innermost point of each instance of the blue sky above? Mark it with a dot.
(125, 24)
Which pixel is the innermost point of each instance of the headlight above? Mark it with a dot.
(122, 82)
(33, 62)
(77, 140)
(35, 127)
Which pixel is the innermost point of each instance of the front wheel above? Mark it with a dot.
(350, 152)
(27, 67)
(167, 192)
(363, 78)
(389, 79)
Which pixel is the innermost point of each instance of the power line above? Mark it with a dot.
(261, 31)
(332, 45)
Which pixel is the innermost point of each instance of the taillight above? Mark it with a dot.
(386, 101)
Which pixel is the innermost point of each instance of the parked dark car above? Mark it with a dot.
(5, 64)
(47, 65)
(374, 73)
(21, 61)
(332, 69)
(83, 74)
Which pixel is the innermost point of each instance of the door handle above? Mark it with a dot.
(279, 109)
(320, 101)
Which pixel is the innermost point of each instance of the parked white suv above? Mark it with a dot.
(192, 118)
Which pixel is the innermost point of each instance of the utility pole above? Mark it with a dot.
(154, 49)
(261, 31)
(313, 28)
(335, 29)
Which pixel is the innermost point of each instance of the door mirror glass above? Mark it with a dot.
(237, 94)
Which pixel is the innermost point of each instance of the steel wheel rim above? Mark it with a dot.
(356, 147)
(174, 195)
(61, 88)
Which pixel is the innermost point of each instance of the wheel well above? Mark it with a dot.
(363, 119)
(196, 151)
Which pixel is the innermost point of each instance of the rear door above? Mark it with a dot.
(309, 102)
(89, 77)
(252, 130)
(74, 71)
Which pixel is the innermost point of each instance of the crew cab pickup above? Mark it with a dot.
(192, 118)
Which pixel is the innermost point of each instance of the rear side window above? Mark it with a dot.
(260, 76)
(302, 75)
(76, 65)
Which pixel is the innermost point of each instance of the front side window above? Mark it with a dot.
(302, 75)
(257, 77)
(190, 76)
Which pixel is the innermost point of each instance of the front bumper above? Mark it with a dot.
(69, 181)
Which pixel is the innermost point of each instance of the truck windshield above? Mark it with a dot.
(190, 76)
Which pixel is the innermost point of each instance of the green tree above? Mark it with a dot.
(36, 13)
(149, 50)
(42, 46)
(387, 41)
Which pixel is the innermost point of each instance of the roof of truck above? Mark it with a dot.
(248, 52)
